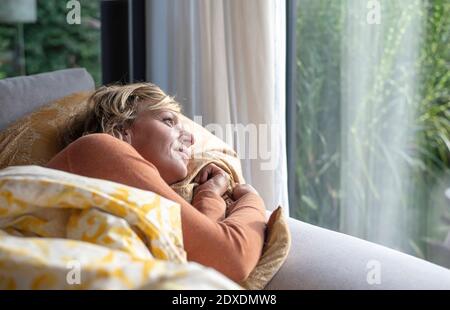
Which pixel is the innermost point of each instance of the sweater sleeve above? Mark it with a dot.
(232, 245)
(210, 204)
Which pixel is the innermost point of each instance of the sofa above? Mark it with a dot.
(318, 258)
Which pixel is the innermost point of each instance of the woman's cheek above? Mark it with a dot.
(184, 171)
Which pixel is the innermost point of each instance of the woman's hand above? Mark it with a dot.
(241, 189)
(212, 178)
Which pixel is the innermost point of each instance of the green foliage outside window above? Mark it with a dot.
(52, 44)
(320, 128)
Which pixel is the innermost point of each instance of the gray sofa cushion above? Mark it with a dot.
(325, 259)
(22, 95)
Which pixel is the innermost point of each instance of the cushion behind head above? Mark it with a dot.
(22, 95)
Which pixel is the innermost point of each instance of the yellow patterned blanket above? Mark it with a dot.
(63, 231)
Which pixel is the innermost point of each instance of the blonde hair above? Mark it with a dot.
(112, 108)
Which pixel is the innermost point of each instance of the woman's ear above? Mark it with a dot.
(127, 136)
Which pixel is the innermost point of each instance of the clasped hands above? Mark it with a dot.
(213, 178)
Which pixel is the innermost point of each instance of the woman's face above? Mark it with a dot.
(159, 138)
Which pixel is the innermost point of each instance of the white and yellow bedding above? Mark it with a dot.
(63, 231)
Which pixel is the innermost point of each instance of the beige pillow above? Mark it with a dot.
(35, 139)
(275, 251)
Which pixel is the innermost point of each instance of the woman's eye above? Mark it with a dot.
(169, 121)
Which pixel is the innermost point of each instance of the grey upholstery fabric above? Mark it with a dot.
(21, 95)
(324, 259)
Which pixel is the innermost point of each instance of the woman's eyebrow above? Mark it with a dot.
(173, 115)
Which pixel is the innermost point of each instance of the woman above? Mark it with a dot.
(132, 136)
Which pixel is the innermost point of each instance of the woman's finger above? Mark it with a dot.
(207, 172)
(215, 175)
(199, 177)
(204, 175)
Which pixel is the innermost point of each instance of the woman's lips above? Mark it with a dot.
(185, 152)
(185, 155)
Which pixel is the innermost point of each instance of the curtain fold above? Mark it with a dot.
(224, 60)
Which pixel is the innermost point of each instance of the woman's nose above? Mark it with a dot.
(187, 138)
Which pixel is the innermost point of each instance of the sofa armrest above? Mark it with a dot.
(324, 259)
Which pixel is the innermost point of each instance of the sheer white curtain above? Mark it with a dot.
(379, 87)
(225, 61)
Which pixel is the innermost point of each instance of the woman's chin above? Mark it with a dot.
(184, 174)
(181, 173)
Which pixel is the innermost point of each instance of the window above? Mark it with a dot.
(36, 36)
(373, 121)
